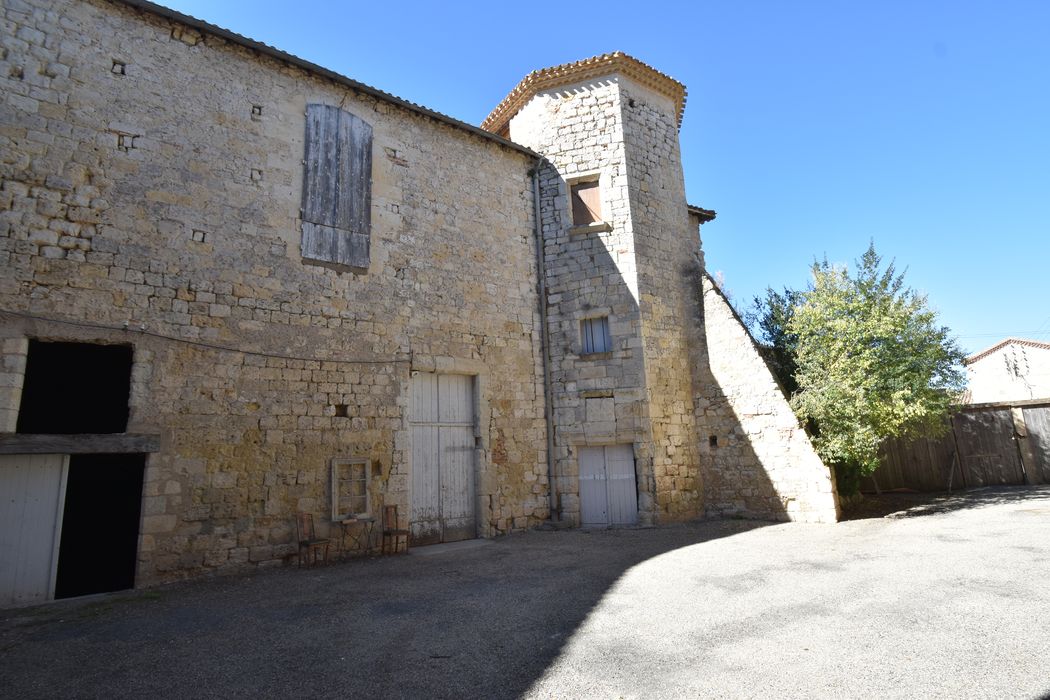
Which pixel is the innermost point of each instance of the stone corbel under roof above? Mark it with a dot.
(568, 73)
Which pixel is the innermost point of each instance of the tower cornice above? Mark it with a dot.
(568, 73)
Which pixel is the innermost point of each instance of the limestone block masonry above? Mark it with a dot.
(690, 415)
(152, 177)
(151, 184)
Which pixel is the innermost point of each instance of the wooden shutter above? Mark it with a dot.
(586, 203)
(337, 187)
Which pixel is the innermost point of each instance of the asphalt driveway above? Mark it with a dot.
(942, 597)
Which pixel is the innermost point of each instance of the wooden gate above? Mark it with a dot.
(990, 444)
(442, 497)
(32, 496)
(608, 488)
(988, 448)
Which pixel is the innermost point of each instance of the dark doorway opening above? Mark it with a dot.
(100, 525)
(75, 388)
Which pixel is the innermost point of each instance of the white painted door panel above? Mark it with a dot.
(457, 483)
(443, 490)
(608, 489)
(32, 498)
(425, 515)
(622, 486)
(594, 507)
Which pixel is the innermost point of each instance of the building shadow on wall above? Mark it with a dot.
(689, 466)
(736, 479)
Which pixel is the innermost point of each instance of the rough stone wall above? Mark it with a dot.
(152, 176)
(763, 464)
(599, 398)
(666, 251)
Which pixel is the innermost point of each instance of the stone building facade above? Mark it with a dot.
(394, 318)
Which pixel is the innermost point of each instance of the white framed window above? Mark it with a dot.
(351, 488)
(594, 335)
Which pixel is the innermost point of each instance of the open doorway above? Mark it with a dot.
(80, 389)
(75, 388)
(100, 525)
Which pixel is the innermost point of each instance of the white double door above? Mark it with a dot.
(442, 486)
(608, 487)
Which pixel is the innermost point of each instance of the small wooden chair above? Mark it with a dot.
(308, 539)
(391, 532)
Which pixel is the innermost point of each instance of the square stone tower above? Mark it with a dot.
(623, 275)
(663, 408)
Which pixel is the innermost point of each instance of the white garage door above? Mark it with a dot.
(442, 418)
(32, 497)
(608, 489)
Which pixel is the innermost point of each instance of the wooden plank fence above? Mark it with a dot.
(990, 444)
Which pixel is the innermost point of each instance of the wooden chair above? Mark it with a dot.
(391, 532)
(308, 539)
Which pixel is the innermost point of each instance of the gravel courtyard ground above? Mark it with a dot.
(917, 597)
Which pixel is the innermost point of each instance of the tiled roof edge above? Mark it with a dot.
(275, 53)
(1003, 343)
(592, 67)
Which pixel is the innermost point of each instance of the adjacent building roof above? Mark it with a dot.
(567, 73)
(320, 71)
(1003, 343)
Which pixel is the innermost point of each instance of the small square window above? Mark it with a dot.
(586, 203)
(595, 335)
(351, 492)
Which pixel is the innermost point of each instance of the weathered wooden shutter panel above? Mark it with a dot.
(337, 187)
(586, 203)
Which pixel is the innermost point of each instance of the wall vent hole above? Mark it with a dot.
(713, 441)
(119, 68)
(199, 236)
(256, 111)
(340, 410)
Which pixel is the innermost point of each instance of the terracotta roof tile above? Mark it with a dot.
(593, 67)
(1003, 343)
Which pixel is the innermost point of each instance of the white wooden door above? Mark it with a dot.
(443, 491)
(32, 499)
(608, 488)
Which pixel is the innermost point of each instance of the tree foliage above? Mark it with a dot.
(768, 319)
(872, 362)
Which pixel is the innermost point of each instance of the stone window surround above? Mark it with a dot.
(588, 315)
(603, 186)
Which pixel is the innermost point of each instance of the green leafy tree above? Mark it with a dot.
(768, 320)
(872, 363)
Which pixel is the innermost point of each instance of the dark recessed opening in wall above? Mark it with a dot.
(713, 441)
(340, 410)
(100, 524)
(74, 388)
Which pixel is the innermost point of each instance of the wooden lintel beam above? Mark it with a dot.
(113, 443)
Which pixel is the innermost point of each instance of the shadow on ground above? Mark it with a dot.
(912, 504)
(484, 621)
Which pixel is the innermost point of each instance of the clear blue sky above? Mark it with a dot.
(811, 127)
